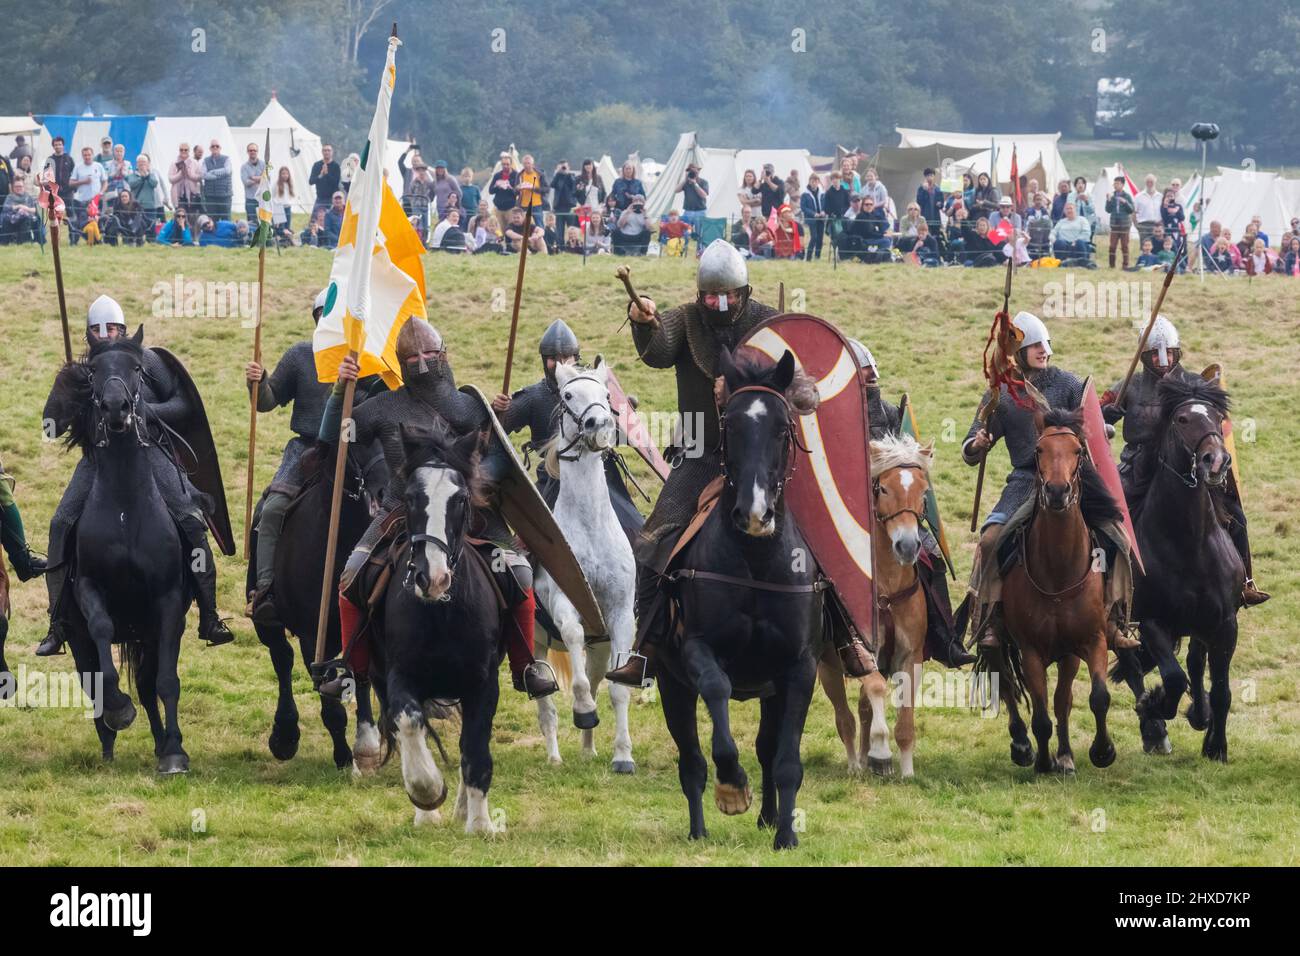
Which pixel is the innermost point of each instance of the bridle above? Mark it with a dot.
(886, 602)
(101, 427)
(1191, 479)
(1072, 496)
(423, 537)
(875, 493)
(566, 411)
(791, 435)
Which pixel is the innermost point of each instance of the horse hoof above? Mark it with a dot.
(283, 743)
(1065, 766)
(120, 719)
(1104, 755)
(1159, 747)
(1198, 719)
(624, 766)
(426, 801)
(785, 840)
(881, 766)
(173, 764)
(732, 800)
(365, 764)
(586, 721)
(701, 834)
(424, 818)
(554, 760)
(1214, 751)
(1022, 755)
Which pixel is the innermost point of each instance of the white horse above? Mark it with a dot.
(587, 429)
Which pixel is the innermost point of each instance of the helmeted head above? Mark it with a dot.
(1162, 351)
(558, 345)
(104, 320)
(722, 282)
(865, 360)
(318, 307)
(1036, 346)
(420, 350)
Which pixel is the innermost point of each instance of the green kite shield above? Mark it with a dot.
(907, 421)
(526, 512)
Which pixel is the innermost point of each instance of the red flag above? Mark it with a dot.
(1128, 183)
(1015, 179)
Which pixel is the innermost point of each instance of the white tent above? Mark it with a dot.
(1037, 154)
(1234, 196)
(607, 171)
(165, 135)
(297, 147)
(11, 127)
(723, 169)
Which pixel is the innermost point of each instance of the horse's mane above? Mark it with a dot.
(73, 393)
(1095, 500)
(754, 368)
(1174, 391)
(895, 451)
(438, 445)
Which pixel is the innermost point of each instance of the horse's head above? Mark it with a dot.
(1059, 456)
(442, 487)
(757, 405)
(116, 369)
(584, 414)
(1193, 411)
(900, 470)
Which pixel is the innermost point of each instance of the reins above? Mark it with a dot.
(1191, 479)
(1071, 499)
(791, 434)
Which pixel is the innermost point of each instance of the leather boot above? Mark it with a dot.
(261, 607)
(55, 582)
(528, 675)
(332, 679)
(942, 640)
(637, 670)
(856, 660)
(211, 628)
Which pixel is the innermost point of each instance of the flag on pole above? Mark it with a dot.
(1128, 183)
(264, 210)
(377, 279)
(1194, 215)
(1015, 180)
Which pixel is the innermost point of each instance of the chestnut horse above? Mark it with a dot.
(1053, 599)
(900, 470)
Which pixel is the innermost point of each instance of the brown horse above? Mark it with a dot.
(900, 468)
(1053, 599)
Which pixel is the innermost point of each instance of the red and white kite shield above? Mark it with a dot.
(829, 493)
(632, 429)
(1094, 431)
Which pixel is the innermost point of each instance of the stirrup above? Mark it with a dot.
(330, 678)
(644, 681)
(535, 668)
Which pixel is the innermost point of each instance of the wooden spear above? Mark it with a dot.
(1155, 310)
(993, 395)
(55, 215)
(527, 192)
(257, 357)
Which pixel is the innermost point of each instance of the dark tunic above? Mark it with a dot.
(1142, 417)
(1016, 425)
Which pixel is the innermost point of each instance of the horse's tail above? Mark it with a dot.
(1007, 664)
(132, 658)
(562, 664)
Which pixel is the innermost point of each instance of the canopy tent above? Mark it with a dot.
(166, 133)
(297, 147)
(11, 127)
(902, 168)
(1234, 196)
(607, 171)
(1037, 154)
(724, 169)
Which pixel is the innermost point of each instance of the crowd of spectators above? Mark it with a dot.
(850, 215)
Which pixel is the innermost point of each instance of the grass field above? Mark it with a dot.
(968, 804)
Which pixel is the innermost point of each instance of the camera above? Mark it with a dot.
(1205, 131)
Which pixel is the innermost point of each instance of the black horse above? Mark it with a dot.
(130, 584)
(750, 610)
(441, 634)
(299, 564)
(1194, 574)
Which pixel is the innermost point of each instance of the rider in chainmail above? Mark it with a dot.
(167, 404)
(1014, 424)
(295, 381)
(428, 393)
(537, 407)
(688, 340)
(884, 418)
(1142, 415)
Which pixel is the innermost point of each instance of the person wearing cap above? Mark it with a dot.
(1142, 413)
(334, 221)
(1016, 425)
(293, 382)
(1006, 213)
(217, 182)
(105, 151)
(167, 403)
(225, 233)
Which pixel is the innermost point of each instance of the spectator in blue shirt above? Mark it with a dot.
(225, 232)
(1060, 199)
(334, 222)
(176, 232)
(626, 187)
